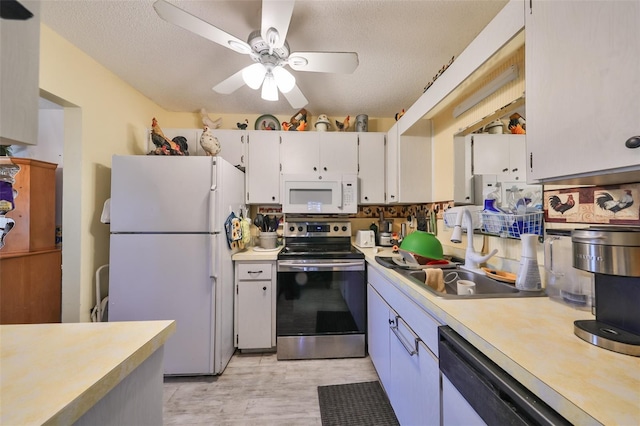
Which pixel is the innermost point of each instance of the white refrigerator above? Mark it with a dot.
(169, 257)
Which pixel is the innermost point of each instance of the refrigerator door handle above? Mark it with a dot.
(213, 258)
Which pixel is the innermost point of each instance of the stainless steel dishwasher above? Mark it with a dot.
(479, 384)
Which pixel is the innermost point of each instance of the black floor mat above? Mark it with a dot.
(335, 322)
(355, 404)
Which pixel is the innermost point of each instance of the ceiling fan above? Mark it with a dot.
(269, 50)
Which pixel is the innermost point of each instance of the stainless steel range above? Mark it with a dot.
(321, 305)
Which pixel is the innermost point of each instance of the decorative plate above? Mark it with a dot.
(267, 122)
(503, 276)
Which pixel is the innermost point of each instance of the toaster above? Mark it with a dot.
(365, 239)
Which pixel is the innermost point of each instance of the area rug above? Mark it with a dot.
(355, 404)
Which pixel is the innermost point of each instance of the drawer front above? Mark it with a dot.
(254, 271)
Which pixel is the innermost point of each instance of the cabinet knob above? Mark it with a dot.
(315, 169)
(324, 168)
(514, 170)
(366, 198)
(264, 288)
(273, 198)
(633, 142)
(391, 321)
(505, 170)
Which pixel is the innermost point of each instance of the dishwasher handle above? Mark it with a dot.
(497, 397)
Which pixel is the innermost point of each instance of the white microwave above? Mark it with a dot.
(329, 193)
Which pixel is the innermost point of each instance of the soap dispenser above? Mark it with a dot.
(528, 278)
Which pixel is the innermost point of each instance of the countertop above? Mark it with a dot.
(251, 253)
(533, 340)
(53, 373)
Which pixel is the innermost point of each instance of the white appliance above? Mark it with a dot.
(365, 238)
(329, 193)
(169, 257)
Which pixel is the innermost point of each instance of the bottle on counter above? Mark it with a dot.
(528, 278)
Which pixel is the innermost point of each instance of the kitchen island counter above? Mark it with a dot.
(63, 373)
(532, 339)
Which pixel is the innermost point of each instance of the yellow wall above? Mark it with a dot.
(112, 118)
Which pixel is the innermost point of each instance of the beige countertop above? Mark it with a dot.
(54, 373)
(533, 340)
(257, 253)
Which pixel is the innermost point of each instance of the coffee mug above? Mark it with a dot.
(465, 287)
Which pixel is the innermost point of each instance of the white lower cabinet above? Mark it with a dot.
(455, 408)
(401, 340)
(255, 305)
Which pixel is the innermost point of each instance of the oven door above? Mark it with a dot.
(321, 308)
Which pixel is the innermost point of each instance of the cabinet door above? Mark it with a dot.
(428, 393)
(517, 158)
(582, 85)
(254, 314)
(371, 173)
(338, 152)
(463, 182)
(263, 168)
(392, 165)
(231, 145)
(300, 152)
(378, 334)
(491, 155)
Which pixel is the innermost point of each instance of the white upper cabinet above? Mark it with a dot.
(500, 155)
(371, 173)
(392, 165)
(232, 145)
(583, 86)
(319, 152)
(19, 78)
(262, 179)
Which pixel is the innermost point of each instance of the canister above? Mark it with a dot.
(362, 123)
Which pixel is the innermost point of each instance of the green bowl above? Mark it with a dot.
(423, 244)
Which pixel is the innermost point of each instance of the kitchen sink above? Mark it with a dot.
(485, 287)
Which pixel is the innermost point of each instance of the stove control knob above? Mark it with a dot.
(335, 229)
(300, 228)
(292, 228)
(344, 229)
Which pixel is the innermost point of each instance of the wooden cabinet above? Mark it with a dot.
(371, 171)
(582, 85)
(34, 212)
(31, 287)
(19, 77)
(319, 152)
(403, 348)
(255, 305)
(501, 155)
(263, 168)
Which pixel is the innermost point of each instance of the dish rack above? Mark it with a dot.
(512, 225)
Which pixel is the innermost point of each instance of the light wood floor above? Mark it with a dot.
(257, 389)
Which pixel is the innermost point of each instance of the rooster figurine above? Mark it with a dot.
(243, 125)
(606, 201)
(342, 127)
(165, 146)
(209, 142)
(559, 206)
(212, 124)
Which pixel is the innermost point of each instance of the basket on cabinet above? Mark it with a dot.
(512, 225)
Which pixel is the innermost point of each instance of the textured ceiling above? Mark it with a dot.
(401, 45)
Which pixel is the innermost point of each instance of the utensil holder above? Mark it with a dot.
(268, 240)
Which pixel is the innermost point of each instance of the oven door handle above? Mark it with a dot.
(330, 266)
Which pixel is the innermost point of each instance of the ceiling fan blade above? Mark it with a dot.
(296, 98)
(175, 15)
(276, 16)
(231, 84)
(335, 62)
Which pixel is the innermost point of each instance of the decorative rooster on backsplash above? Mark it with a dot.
(556, 203)
(606, 201)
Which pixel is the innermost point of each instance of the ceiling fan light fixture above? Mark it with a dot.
(284, 79)
(253, 75)
(269, 88)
